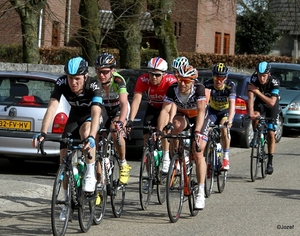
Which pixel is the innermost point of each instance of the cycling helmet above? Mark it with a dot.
(180, 61)
(158, 63)
(76, 66)
(187, 71)
(263, 67)
(220, 69)
(105, 60)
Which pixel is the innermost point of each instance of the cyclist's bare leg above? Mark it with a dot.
(121, 150)
(179, 123)
(200, 162)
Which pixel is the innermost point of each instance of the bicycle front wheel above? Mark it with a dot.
(210, 170)
(221, 176)
(146, 179)
(86, 210)
(117, 189)
(254, 158)
(161, 180)
(193, 185)
(264, 159)
(101, 197)
(174, 193)
(60, 204)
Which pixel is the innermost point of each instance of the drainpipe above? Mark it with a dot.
(68, 20)
(40, 28)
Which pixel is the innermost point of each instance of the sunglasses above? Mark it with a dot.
(184, 80)
(156, 74)
(221, 79)
(104, 72)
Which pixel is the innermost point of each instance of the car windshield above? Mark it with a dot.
(290, 79)
(25, 92)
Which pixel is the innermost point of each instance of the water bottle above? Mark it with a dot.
(107, 165)
(76, 176)
(219, 155)
(262, 138)
(187, 163)
(81, 166)
(157, 157)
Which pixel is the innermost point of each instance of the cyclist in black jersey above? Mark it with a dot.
(266, 89)
(86, 115)
(115, 98)
(221, 108)
(189, 97)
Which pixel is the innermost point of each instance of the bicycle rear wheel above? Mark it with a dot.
(117, 189)
(59, 202)
(146, 179)
(86, 209)
(161, 187)
(264, 159)
(174, 193)
(101, 197)
(221, 176)
(254, 158)
(210, 171)
(194, 189)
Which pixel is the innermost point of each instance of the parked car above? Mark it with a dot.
(24, 98)
(289, 76)
(242, 128)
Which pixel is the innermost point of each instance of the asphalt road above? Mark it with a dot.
(266, 207)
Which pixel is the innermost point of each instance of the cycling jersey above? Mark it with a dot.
(154, 93)
(219, 98)
(189, 106)
(116, 87)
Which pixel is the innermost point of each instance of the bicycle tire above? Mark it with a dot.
(161, 181)
(264, 159)
(175, 191)
(59, 227)
(86, 210)
(117, 189)
(221, 176)
(210, 172)
(254, 158)
(101, 197)
(146, 179)
(193, 185)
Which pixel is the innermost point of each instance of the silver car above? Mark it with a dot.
(24, 98)
(289, 76)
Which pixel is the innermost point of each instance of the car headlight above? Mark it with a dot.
(294, 106)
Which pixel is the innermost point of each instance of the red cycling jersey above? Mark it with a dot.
(155, 94)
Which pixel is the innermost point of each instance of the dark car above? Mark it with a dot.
(241, 131)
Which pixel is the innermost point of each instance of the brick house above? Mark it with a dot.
(200, 26)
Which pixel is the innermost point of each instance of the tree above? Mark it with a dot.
(161, 16)
(255, 30)
(127, 31)
(90, 29)
(29, 12)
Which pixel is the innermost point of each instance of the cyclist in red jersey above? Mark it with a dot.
(154, 84)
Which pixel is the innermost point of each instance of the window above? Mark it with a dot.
(177, 29)
(218, 42)
(226, 44)
(55, 33)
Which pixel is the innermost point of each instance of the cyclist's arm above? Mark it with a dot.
(231, 110)
(164, 115)
(51, 110)
(270, 101)
(201, 114)
(251, 103)
(124, 106)
(95, 115)
(172, 112)
(137, 98)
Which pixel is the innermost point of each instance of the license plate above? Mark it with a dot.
(15, 124)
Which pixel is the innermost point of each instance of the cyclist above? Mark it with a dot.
(85, 117)
(189, 97)
(221, 107)
(266, 90)
(114, 95)
(155, 84)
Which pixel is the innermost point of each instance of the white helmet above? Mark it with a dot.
(180, 61)
(158, 63)
(188, 72)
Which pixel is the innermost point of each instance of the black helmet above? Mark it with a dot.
(76, 66)
(105, 60)
(220, 69)
(263, 67)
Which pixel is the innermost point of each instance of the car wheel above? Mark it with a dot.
(279, 130)
(246, 139)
